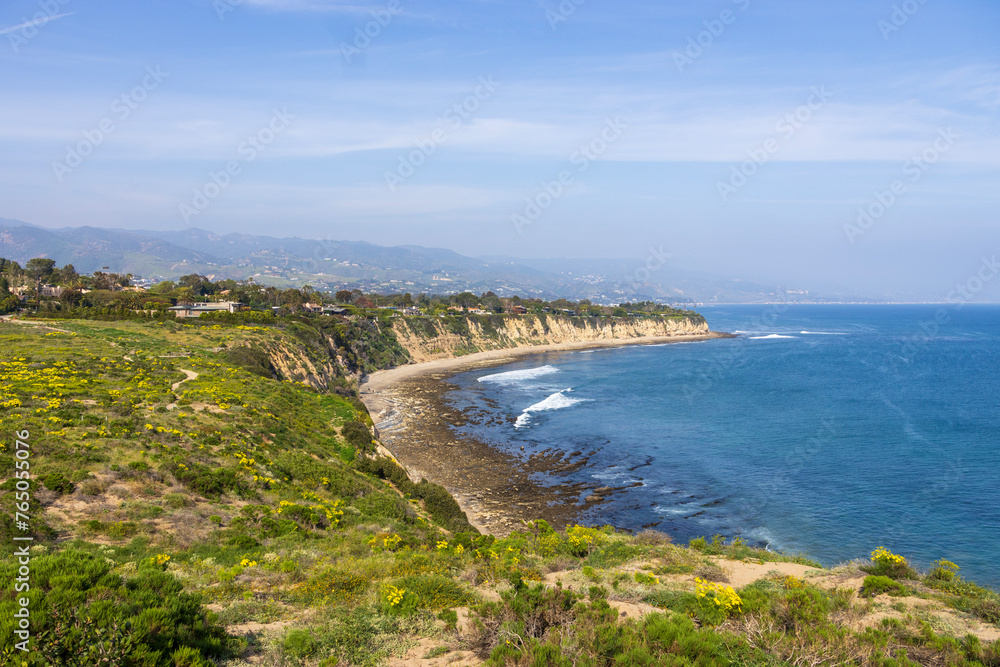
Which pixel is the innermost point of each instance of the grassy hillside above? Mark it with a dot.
(188, 508)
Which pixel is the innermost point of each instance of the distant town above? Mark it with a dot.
(40, 286)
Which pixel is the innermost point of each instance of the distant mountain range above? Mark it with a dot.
(159, 255)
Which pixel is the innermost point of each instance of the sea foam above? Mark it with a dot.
(556, 401)
(516, 377)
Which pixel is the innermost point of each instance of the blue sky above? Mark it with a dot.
(743, 136)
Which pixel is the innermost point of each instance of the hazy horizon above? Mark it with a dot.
(744, 137)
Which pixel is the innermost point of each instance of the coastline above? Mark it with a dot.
(495, 489)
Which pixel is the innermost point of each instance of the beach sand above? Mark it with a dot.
(495, 488)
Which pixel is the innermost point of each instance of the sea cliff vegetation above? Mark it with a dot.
(211, 493)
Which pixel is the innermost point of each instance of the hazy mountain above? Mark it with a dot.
(337, 264)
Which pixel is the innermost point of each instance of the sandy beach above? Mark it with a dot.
(494, 488)
(372, 386)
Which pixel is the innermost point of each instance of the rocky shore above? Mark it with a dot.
(494, 487)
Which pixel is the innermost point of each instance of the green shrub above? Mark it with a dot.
(878, 584)
(253, 360)
(435, 591)
(358, 435)
(450, 618)
(91, 487)
(299, 644)
(443, 508)
(943, 570)
(987, 609)
(122, 530)
(212, 482)
(381, 505)
(803, 607)
(887, 564)
(178, 500)
(59, 483)
(646, 579)
(83, 614)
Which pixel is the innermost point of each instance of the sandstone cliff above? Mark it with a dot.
(427, 339)
(330, 356)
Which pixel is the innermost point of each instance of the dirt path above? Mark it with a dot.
(190, 376)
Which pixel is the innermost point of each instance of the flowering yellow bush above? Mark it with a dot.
(581, 540)
(394, 596)
(716, 601)
(885, 563)
(647, 579)
(883, 555)
(383, 542)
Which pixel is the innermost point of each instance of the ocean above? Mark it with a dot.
(826, 430)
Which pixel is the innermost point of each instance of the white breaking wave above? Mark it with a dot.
(514, 377)
(556, 401)
(770, 336)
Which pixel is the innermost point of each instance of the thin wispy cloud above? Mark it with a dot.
(386, 105)
(34, 23)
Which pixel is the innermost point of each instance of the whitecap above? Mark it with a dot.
(523, 375)
(770, 336)
(556, 401)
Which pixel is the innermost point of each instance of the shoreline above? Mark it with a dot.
(494, 488)
(371, 386)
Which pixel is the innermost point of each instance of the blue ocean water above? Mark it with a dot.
(826, 430)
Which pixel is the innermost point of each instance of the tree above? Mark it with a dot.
(199, 285)
(39, 269)
(162, 287)
(67, 276)
(466, 300)
(9, 304)
(491, 302)
(72, 296)
(344, 296)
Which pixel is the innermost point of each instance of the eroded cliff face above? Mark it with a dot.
(427, 339)
(293, 363)
(331, 363)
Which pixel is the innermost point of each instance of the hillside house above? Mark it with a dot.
(196, 309)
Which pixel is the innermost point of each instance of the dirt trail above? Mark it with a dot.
(191, 375)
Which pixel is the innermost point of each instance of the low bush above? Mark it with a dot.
(358, 435)
(299, 644)
(84, 615)
(59, 483)
(212, 482)
(887, 564)
(253, 360)
(876, 584)
(442, 507)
